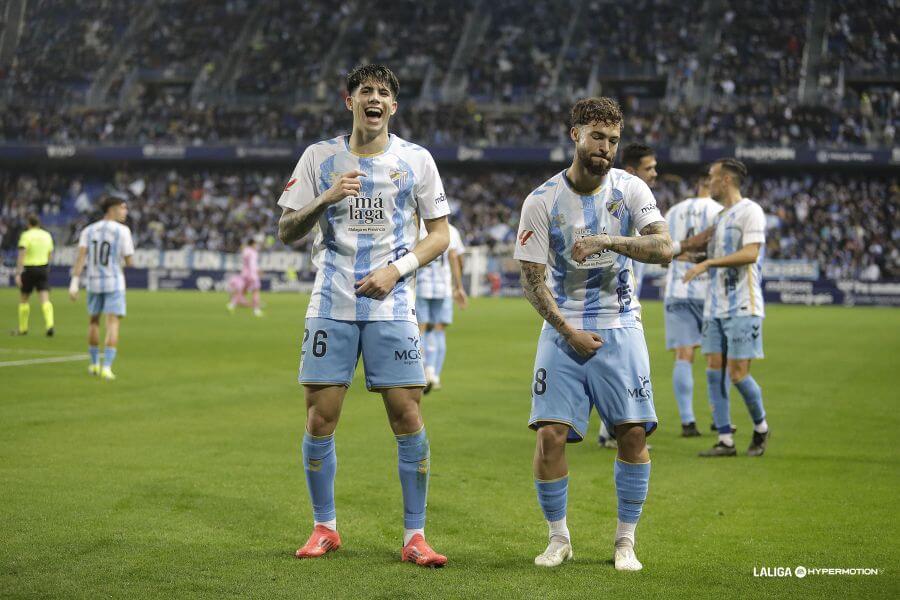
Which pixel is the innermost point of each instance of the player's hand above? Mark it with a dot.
(347, 184)
(73, 288)
(585, 343)
(379, 283)
(696, 271)
(461, 298)
(18, 281)
(588, 246)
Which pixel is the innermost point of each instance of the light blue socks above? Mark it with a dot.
(683, 384)
(320, 464)
(414, 458)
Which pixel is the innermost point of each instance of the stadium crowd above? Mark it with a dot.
(850, 225)
(869, 121)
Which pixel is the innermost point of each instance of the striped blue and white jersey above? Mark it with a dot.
(108, 243)
(435, 280)
(363, 233)
(736, 291)
(688, 217)
(599, 293)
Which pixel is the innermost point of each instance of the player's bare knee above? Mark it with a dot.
(684, 353)
(551, 440)
(714, 361)
(738, 370)
(632, 442)
(318, 423)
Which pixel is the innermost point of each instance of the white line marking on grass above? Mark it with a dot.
(32, 351)
(39, 361)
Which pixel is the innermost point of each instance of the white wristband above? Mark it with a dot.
(73, 285)
(676, 248)
(407, 263)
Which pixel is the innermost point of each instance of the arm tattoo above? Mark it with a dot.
(653, 246)
(537, 292)
(294, 225)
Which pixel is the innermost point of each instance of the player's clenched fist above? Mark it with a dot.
(588, 246)
(347, 185)
(585, 343)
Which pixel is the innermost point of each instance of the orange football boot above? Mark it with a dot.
(321, 540)
(418, 551)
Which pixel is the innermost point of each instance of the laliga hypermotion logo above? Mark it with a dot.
(524, 237)
(290, 183)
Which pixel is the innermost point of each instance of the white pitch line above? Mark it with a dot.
(38, 361)
(31, 351)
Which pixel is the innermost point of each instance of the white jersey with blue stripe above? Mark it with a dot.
(435, 280)
(108, 243)
(599, 293)
(688, 217)
(736, 291)
(363, 233)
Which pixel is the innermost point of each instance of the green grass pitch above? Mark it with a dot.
(183, 478)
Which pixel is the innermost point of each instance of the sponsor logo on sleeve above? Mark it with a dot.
(525, 236)
(440, 199)
(290, 183)
(648, 208)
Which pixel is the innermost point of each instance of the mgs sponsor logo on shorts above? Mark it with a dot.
(411, 354)
(366, 215)
(642, 393)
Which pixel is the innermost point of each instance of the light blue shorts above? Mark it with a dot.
(737, 337)
(111, 303)
(684, 323)
(390, 351)
(434, 310)
(615, 380)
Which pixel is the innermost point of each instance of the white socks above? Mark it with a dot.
(409, 533)
(558, 529)
(727, 439)
(625, 534)
(761, 427)
(332, 524)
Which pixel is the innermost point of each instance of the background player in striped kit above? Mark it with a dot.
(733, 312)
(638, 160)
(684, 301)
(104, 245)
(438, 284)
(365, 193)
(32, 270)
(576, 243)
(246, 281)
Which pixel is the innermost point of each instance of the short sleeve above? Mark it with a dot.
(456, 243)
(754, 226)
(641, 204)
(533, 239)
(83, 238)
(300, 189)
(429, 190)
(127, 242)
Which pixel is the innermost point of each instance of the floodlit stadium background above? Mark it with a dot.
(196, 112)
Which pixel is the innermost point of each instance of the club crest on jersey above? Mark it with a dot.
(616, 205)
(366, 214)
(399, 177)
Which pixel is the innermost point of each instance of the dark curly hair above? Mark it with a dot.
(587, 111)
(379, 73)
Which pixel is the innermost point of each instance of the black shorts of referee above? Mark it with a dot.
(35, 278)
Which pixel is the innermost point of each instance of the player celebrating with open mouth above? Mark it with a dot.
(364, 192)
(576, 244)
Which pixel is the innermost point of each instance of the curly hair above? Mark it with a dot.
(602, 110)
(378, 73)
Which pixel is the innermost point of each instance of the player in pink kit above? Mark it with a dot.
(247, 281)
